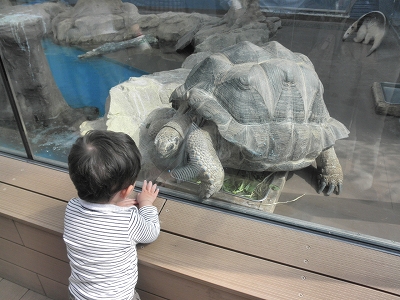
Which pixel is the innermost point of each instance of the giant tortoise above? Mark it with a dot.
(252, 108)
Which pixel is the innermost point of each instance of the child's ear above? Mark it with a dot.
(125, 192)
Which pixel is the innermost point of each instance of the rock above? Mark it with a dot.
(96, 22)
(34, 87)
(171, 26)
(244, 21)
(187, 38)
(47, 11)
(219, 40)
(237, 25)
(39, 100)
(4, 3)
(109, 21)
(103, 21)
(130, 102)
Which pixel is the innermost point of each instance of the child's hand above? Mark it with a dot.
(127, 202)
(148, 195)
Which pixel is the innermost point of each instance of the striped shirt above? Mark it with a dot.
(101, 245)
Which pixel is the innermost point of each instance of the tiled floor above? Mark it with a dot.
(12, 291)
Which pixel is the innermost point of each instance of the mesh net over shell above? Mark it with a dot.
(268, 101)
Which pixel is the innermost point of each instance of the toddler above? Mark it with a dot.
(103, 225)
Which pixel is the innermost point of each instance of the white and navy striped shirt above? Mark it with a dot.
(101, 245)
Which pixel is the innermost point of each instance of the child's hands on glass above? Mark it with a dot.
(148, 194)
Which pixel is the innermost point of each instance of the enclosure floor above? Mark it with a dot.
(370, 200)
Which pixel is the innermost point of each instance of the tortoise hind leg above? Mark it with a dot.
(330, 172)
(203, 164)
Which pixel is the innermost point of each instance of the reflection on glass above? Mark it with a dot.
(84, 85)
(119, 68)
(10, 138)
(308, 6)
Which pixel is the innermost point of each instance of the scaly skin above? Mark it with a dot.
(204, 164)
(330, 171)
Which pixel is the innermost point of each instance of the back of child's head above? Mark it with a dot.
(102, 163)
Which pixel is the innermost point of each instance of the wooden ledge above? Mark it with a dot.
(296, 248)
(201, 252)
(30, 208)
(38, 179)
(239, 274)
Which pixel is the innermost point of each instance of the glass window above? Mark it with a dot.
(268, 108)
(10, 138)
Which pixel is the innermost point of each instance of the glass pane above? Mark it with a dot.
(308, 6)
(236, 103)
(10, 138)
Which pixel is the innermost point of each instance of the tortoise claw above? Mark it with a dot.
(322, 186)
(339, 188)
(331, 189)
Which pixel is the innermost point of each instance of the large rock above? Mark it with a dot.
(102, 21)
(36, 93)
(47, 11)
(96, 22)
(242, 22)
(207, 33)
(133, 104)
(34, 87)
(130, 102)
(5, 4)
(171, 26)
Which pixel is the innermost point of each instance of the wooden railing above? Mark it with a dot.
(202, 253)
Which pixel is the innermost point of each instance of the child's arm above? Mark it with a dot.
(147, 223)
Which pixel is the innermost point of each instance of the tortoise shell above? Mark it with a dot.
(267, 100)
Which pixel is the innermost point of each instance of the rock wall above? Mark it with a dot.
(101, 21)
(35, 90)
(22, 29)
(96, 22)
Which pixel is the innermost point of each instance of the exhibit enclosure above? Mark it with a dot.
(283, 111)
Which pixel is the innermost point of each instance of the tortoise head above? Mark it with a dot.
(168, 142)
(171, 136)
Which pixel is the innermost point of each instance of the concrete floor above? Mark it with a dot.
(370, 201)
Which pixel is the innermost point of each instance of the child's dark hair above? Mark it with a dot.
(102, 163)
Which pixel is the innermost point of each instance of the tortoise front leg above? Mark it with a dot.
(203, 164)
(330, 172)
